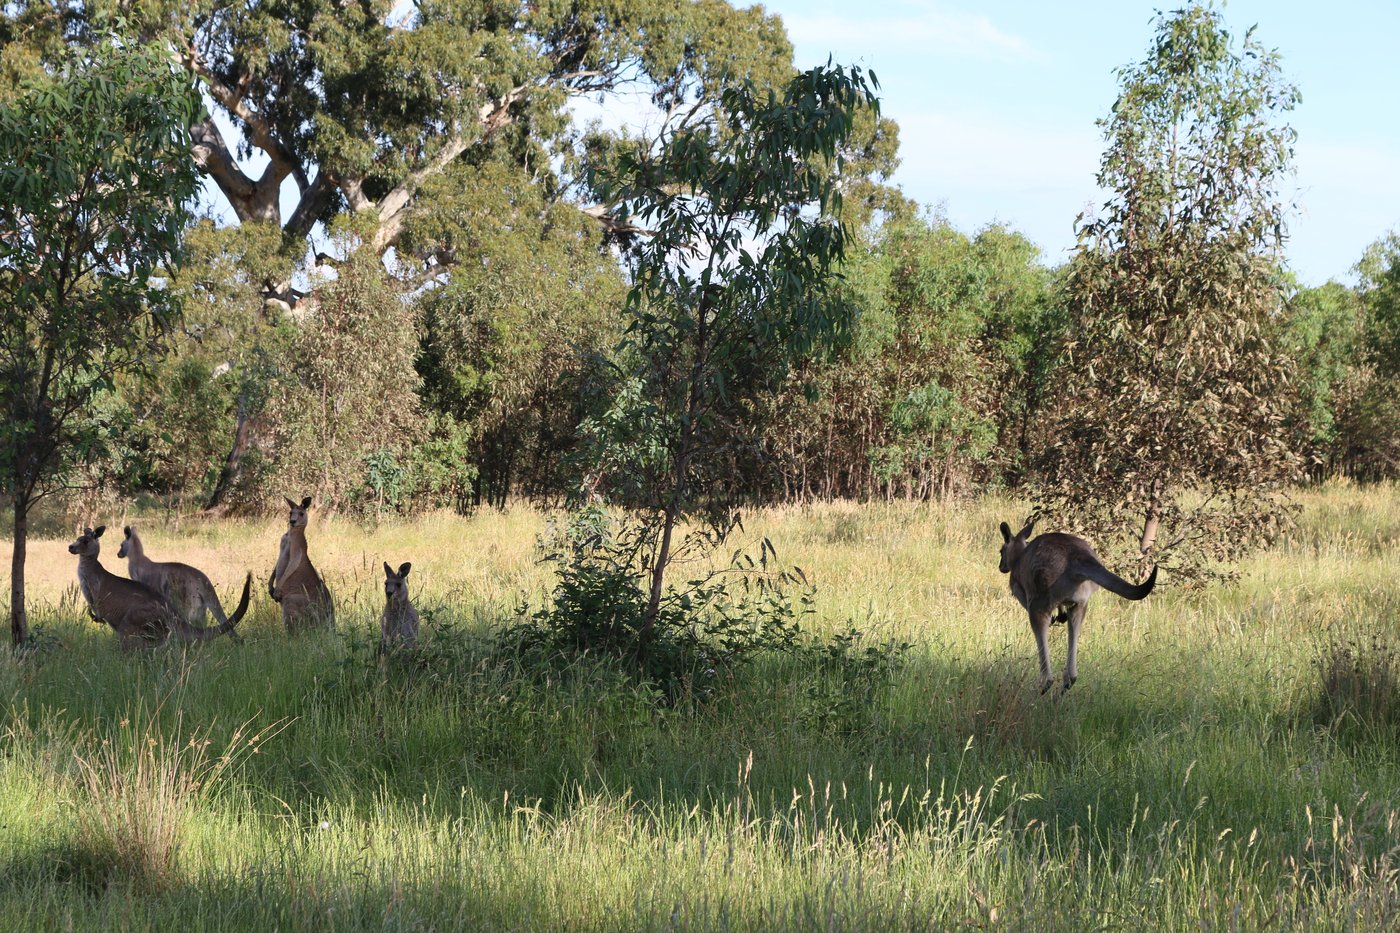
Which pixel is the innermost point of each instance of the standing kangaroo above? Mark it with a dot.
(294, 582)
(398, 626)
(141, 617)
(184, 587)
(1054, 575)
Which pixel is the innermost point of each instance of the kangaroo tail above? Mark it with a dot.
(225, 627)
(1110, 581)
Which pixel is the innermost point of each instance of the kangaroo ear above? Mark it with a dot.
(97, 532)
(87, 531)
(290, 503)
(388, 571)
(1026, 531)
(306, 503)
(1005, 531)
(403, 571)
(126, 532)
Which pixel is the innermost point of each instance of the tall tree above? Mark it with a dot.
(358, 106)
(95, 183)
(1325, 334)
(347, 403)
(397, 113)
(508, 340)
(1170, 426)
(734, 284)
(1368, 406)
(1379, 272)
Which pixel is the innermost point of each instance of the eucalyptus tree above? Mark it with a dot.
(1169, 425)
(1325, 331)
(1368, 406)
(321, 106)
(95, 186)
(406, 115)
(935, 392)
(735, 282)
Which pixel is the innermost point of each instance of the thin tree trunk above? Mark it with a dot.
(19, 621)
(658, 573)
(683, 452)
(1151, 522)
(229, 474)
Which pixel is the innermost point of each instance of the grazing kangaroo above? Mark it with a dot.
(184, 587)
(294, 582)
(398, 626)
(1054, 575)
(141, 617)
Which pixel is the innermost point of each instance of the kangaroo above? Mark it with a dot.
(294, 582)
(1054, 575)
(141, 617)
(184, 587)
(398, 626)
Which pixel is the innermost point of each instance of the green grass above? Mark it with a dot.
(1198, 775)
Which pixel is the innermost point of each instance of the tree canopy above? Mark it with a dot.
(94, 195)
(1174, 385)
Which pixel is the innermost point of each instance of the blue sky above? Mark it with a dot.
(996, 103)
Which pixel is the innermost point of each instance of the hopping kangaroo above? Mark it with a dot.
(141, 617)
(295, 583)
(1054, 575)
(398, 626)
(186, 588)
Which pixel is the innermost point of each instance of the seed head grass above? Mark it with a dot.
(1225, 759)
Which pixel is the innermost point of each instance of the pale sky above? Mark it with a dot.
(996, 103)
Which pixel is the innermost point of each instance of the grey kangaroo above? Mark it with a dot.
(1054, 575)
(398, 626)
(184, 587)
(141, 617)
(294, 582)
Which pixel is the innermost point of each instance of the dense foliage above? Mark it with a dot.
(441, 140)
(1171, 354)
(93, 191)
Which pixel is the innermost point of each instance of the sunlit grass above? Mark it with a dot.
(1193, 777)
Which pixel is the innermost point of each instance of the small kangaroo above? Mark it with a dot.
(294, 582)
(398, 626)
(1055, 575)
(141, 617)
(184, 587)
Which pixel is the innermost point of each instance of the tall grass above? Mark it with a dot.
(1188, 781)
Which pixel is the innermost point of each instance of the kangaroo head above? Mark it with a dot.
(1013, 546)
(394, 585)
(86, 545)
(297, 516)
(126, 542)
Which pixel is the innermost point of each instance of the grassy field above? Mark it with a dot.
(1187, 781)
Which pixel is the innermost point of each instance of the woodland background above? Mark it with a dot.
(402, 294)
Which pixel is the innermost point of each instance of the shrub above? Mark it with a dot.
(1358, 680)
(704, 629)
(851, 673)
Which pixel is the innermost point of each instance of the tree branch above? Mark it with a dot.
(309, 209)
(396, 206)
(260, 198)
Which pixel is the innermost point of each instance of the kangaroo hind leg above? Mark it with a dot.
(1076, 622)
(1040, 626)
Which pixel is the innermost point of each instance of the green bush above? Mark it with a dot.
(705, 629)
